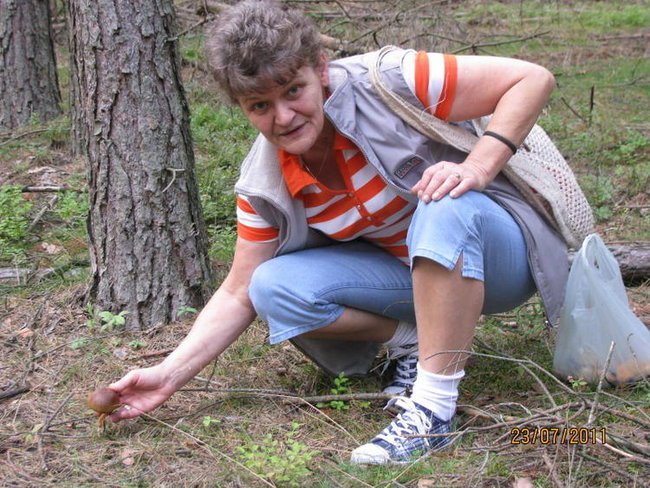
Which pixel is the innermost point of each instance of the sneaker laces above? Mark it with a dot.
(403, 355)
(411, 420)
(406, 369)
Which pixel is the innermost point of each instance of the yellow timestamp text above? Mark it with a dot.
(558, 435)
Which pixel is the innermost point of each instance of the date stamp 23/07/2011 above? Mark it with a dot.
(558, 435)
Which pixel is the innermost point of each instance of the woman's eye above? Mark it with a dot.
(259, 106)
(293, 91)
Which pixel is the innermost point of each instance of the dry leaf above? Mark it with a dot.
(523, 483)
(51, 248)
(121, 353)
(127, 457)
(25, 332)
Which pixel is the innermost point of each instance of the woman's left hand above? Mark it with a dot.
(454, 179)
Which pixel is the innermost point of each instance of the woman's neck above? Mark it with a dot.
(320, 160)
(321, 155)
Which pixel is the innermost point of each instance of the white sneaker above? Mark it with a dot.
(392, 445)
(406, 371)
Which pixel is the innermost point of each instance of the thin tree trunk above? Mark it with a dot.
(28, 78)
(148, 244)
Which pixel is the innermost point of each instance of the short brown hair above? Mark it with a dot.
(256, 44)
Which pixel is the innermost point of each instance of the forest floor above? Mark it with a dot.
(266, 416)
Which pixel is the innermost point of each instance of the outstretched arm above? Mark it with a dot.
(228, 313)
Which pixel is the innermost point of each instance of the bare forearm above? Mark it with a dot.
(513, 118)
(218, 325)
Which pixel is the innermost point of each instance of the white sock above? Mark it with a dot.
(437, 392)
(405, 334)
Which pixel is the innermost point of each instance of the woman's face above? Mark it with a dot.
(290, 116)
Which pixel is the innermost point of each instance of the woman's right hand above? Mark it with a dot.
(141, 391)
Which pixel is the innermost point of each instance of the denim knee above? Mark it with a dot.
(259, 289)
(443, 230)
(283, 295)
(264, 287)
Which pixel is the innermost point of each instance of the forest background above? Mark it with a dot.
(264, 416)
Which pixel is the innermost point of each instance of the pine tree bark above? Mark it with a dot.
(148, 243)
(28, 78)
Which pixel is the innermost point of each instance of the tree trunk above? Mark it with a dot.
(28, 79)
(148, 244)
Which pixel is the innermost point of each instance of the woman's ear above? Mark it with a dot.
(323, 70)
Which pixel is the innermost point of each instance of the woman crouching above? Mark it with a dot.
(356, 232)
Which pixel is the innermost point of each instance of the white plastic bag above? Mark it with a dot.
(596, 313)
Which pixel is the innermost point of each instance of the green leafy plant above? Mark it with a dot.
(185, 310)
(112, 321)
(14, 221)
(137, 344)
(283, 462)
(72, 208)
(209, 422)
(600, 193)
(78, 343)
(341, 387)
(578, 384)
(91, 312)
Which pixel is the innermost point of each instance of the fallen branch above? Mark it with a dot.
(49, 419)
(24, 134)
(608, 466)
(48, 189)
(552, 472)
(41, 212)
(152, 354)
(5, 395)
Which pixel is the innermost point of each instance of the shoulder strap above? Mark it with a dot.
(540, 172)
(421, 120)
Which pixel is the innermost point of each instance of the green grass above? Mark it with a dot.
(222, 137)
(584, 17)
(14, 223)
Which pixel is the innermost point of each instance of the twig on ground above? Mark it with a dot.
(5, 395)
(599, 388)
(24, 134)
(41, 212)
(626, 455)
(611, 467)
(621, 414)
(48, 189)
(541, 384)
(162, 352)
(48, 421)
(292, 397)
(335, 466)
(191, 28)
(551, 471)
(214, 369)
(289, 397)
(574, 111)
(61, 346)
(625, 402)
(629, 445)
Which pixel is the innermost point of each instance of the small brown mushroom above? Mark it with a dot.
(103, 401)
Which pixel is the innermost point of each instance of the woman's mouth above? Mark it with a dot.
(292, 132)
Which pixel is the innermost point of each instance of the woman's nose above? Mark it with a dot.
(284, 114)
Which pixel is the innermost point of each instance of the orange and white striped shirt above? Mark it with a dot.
(367, 208)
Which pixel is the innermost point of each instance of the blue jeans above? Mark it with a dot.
(298, 292)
